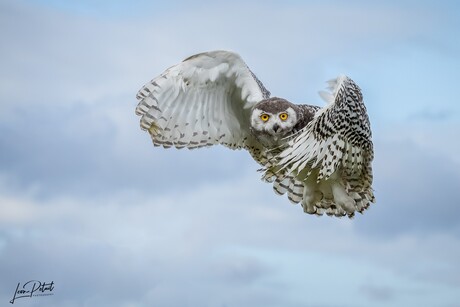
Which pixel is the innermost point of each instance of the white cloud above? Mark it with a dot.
(235, 238)
(435, 137)
(55, 58)
(87, 201)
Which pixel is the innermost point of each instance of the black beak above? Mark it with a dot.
(276, 128)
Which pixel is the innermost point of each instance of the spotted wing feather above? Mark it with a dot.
(336, 141)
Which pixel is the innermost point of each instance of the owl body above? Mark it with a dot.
(319, 157)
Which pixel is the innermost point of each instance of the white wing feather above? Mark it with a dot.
(202, 101)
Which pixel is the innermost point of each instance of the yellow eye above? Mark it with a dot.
(264, 117)
(283, 116)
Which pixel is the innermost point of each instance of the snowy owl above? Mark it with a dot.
(319, 157)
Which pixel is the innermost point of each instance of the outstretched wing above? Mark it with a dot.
(204, 100)
(335, 146)
(338, 136)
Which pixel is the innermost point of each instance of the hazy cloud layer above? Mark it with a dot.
(87, 201)
(236, 250)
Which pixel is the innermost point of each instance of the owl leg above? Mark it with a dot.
(311, 195)
(342, 198)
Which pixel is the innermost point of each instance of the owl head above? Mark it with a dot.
(273, 118)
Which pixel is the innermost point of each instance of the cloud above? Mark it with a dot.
(86, 200)
(414, 190)
(96, 149)
(86, 59)
(243, 244)
(378, 293)
(69, 99)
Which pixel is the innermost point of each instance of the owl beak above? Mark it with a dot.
(276, 128)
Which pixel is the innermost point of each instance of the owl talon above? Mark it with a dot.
(342, 199)
(310, 199)
(308, 208)
(348, 205)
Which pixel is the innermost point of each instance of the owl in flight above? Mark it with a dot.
(319, 157)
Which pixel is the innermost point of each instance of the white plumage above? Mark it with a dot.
(319, 157)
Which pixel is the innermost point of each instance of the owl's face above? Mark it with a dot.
(273, 118)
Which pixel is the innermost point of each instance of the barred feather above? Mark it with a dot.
(336, 142)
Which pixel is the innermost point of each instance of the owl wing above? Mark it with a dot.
(204, 100)
(336, 141)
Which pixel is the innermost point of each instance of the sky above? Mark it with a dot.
(87, 202)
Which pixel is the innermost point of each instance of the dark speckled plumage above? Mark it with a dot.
(308, 112)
